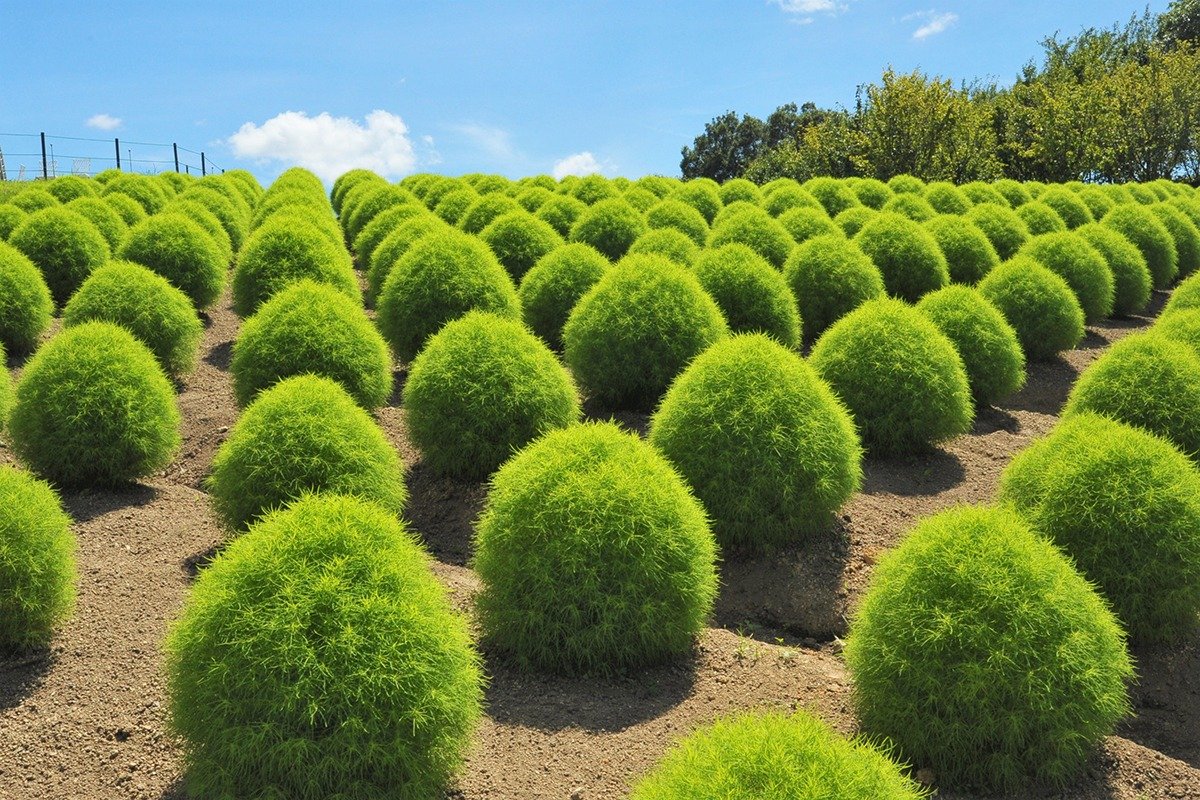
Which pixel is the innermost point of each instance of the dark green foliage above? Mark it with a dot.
(1004, 229)
(25, 303)
(1038, 304)
(94, 409)
(969, 253)
(561, 211)
(758, 230)
(145, 304)
(282, 252)
(871, 192)
(903, 380)
(750, 293)
(946, 198)
(551, 289)
(610, 226)
(318, 656)
(833, 194)
(519, 239)
(304, 434)
(37, 561)
(10, 217)
(637, 328)
(312, 328)
(182, 252)
(63, 245)
(740, 189)
(1184, 235)
(785, 198)
(1040, 218)
(1082, 266)
(763, 442)
(852, 219)
(980, 652)
(440, 278)
(1131, 276)
(68, 187)
(906, 254)
(913, 206)
(769, 756)
(1142, 227)
(104, 217)
(1069, 206)
(804, 223)
(830, 277)
(33, 199)
(593, 554)
(988, 345)
(483, 211)
(1148, 381)
(978, 192)
(147, 192)
(700, 195)
(482, 388)
(1125, 506)
(669, 242)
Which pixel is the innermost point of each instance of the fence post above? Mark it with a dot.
(203, 165)
(175, 148)
(45, 165)
(117, 144)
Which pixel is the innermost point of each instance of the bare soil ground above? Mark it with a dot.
(85, 718)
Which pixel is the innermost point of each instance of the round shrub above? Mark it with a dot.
(318, 656)
(25, 303)
(852, 219)
(104, 217)
(969, 254)
(1183, 326)
(1125, 506)
(531, 198)
(199, 213)
(440, 278)
(235, 224)
(10, 217)
(750, 293)
(395, 245)
(871, 192)
(1068, 205)
(371, 205)
(561, 211)
(593, 554)
(68, 187)
(347, 181)
(830, 277)
(94, 408)
(669, 242)
(591, 189)
(740, 189)
(34, 199)
(182, 252)
(637, 328)
(979, 192)
(378, 229)
(906, 184)
(519, 239)
(1142, 227)
(144, 190)
(786, 197)
(1148, 381)
(551, 289)
(988, 345)
(758, 230)
(1185, 296)
(1014, 192)
(833, 194)
(1001, 225)
(63, 245)
(454, 205)
(610, 226)
(980, 652)
(130, 211)
(714, 425)
(1038, 304)
(1097, 201)
(37, 561)
(482, 388)
(913, 206)
(804, 223)
(145, 304)
(312, 328)
(1184, 235)
(483, 211)
(1080, 265)
(906, 254)
(700, 195)
(946, 198)
(300, 201)
(769, 756)
(903, 380)
(281, 253)
(639, 198)
(1131, 276)
(303, 434)
(6, 390)
(1040, 218)
(1141, 194)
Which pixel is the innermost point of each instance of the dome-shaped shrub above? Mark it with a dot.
(1040, 218)
(312, 328)
(1014, 192)
(769, 756)
(669, 242)
(318, 656)
(610, 226)
(25, 303)
(281, 253)
(551, 289)
(1068, 205)
(1082, 266)
(736, 189)
(786, 197)
(6, 390)
(714, 425)
(561, 211)
(700, 195)
(593, 554)
(1004, 229)
(980, 653)
(519, 239)
(969, 253)
(906, 184)
(591, 189)
(373, 204)
(804, 223)
(1182, 326)
(637, 328)
(483, 211)
(751, 295)
(906, 254)
(182, 252)
(871, 192)
(988, 345)
(1125, 505)
(145, 304)
(913, 206)
(1038, 304)
(94, 408)
(979, 192)
(1131, 276)
(147, 192)
(1185, 296)
(901, 377)
(236, 225)
(946, 198)
(1145, 380)
(759, 231)
(733, 209)
(347, 181)
(198, 212)
(531, 198)
(130, 211)
(440, 278)
(833, 194)
(454, 205)
(68, 187)
(1097, 201)
(482, 388)
(639, 198)
(34, 199)
(104, 217)
(63, 245)
(1142, 227)
(303, 434)
(851, 220)
(395, 245)
(37, 561)
(830, 277)
(380, 228)
(10, 218)
(1184, 235)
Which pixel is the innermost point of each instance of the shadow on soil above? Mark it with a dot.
(443, 511)
(399, 378)
(176, 791)
(1166, 699)
(918, 475)
(194, 564)
(635, 421)
(1046, 387)
(22, 671)
(87, 505)
(220, 356)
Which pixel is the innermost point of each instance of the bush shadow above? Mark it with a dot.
(88, 504)
(1166, 699)
(220, 356)
(917, 475)
(196, 563)
(633, 421)
(399, 379)
(989, 419)
(1047, 386)
(443, 511)
(21, 672)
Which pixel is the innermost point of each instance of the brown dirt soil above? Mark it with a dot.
(85, 718)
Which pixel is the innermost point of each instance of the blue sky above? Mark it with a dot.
(515, 88)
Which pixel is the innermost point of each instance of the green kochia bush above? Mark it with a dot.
(903, 380)
(1131, 276)
(769, 756)
(483, 211)
(63, 245)
(669, 242)
(610, 226)
(969, 254)
(757, 229)
(1125, 505)
(10, 217)
(518, 240)
(1181, 326)
(1038, 304)
(988, 345)
(700, 195)
(804, 223)
(871, 192)
(906, 254)
(482, 388)
(104, 217)
(551, 289)
(394, 246)
(145, 304)
(679, 216)
(768, 449)
(281, 253)
(304, 434)
(830, 277)
(913, 206)
(182, 252)
(593, 554)
(637, 328)
(1148, 381)
(147, 192)
(5, 388)
(315, 329)
(946, 198)
(751, 295)
(1001, 225)
(1185, 296)
(1184, 236)
(37, 561)
(318, 656)
(1040, 218)
(1080, 265)
(379, 228)
(981, 653)
(851, 220)
(561, 211)
(1068, 205)
(1140, 226)
(835, 195)
(94, 408)
(25, 302)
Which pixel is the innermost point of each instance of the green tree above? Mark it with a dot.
(725, 149)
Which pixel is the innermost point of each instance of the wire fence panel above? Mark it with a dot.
(37, 156)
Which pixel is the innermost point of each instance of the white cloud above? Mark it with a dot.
(103, 122)
(801, 11)
(580, 164)
(496, 142)
(330, 146)
(935, 23)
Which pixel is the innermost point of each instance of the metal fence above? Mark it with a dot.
(39, 156)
